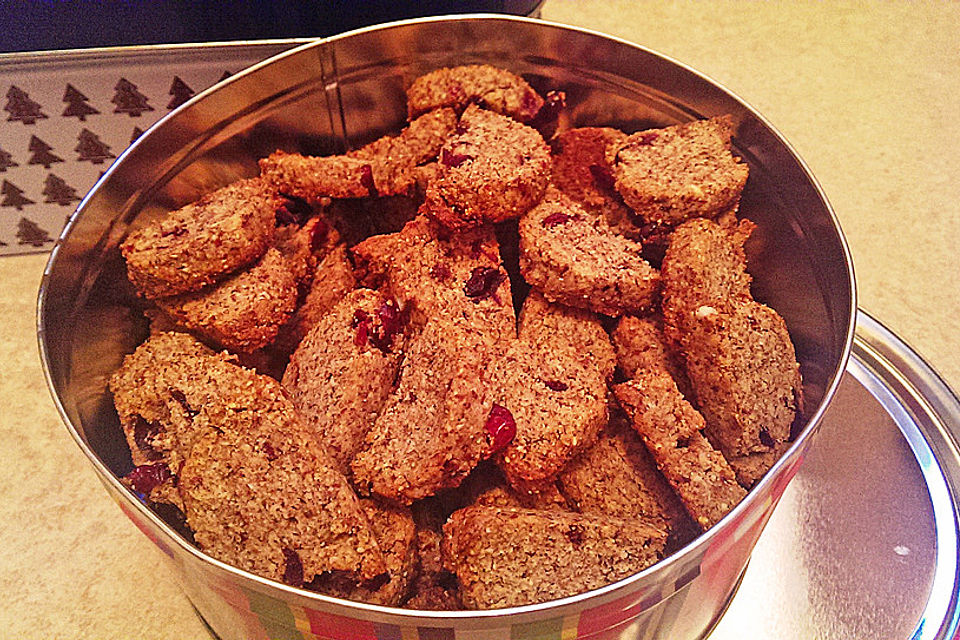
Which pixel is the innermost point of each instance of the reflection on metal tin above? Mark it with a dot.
(342, 92)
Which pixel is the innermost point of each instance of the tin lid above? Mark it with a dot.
(864, 543)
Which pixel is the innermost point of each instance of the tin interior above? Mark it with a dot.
(336, 94)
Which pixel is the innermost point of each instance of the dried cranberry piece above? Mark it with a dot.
(766, 439)
(441, 272)
(501, 427)
(452, 159)
(556, 385)
(318, 235)
(366, 180)
(147, 477)
(391, 323)
(483, 283)
(292, 568)
(647, 138)
(549, 114)
(556, 218)
(603, 177)
(574, 534)
(362, 322)
(269, 451)
(181, 399)
(143, 434)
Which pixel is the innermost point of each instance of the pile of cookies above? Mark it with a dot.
(480, 363)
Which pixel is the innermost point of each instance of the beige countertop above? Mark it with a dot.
(869, 95)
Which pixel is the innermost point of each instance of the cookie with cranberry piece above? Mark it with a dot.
(685, 171)
(546, 324)
(558, 404)
(245, 311)
(157, 426)
(495, 89)
(394, 158)
(671, 430)
(738, 354)
(574, 258)
(204, 241)
(431, 433)
(493, 170)
(434, 274)
(508, 557)
(264, 497)
(315, 178)
(396, 536)
(582, 170)
(343, 371)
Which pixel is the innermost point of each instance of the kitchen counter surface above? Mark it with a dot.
(868, 94)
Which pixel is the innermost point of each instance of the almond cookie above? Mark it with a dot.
(394, 158)
(343, 371)
(494, 169)
(557, 405)
(510, 557)
(573, 258)
(641, 345)
(671, 430)
(492, 88)
(204, 241)
(546, 324)
(685, 171)
(243, 312)
(582, 170)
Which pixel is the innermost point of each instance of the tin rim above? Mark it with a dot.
(695, 546)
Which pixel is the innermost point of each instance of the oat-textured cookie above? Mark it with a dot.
(582, 170)
(266, 498)
(685, 171)
(508, 557)
(546, 324)
(558, 406)
(314, 178)
(343, 371)
(155, 425)
(332, 279)
(458, 278)
(640, 345)
(394, 158)
(745, 376)
(573, 258)
(738, 354)
(430, 434)
(456, 87)
(494, 169)
(618, 477)
(243, 312)
(396, 536)
(671, 430)
(204, 241)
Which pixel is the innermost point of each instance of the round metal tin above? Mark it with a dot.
(864, 543)
(338, 93)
